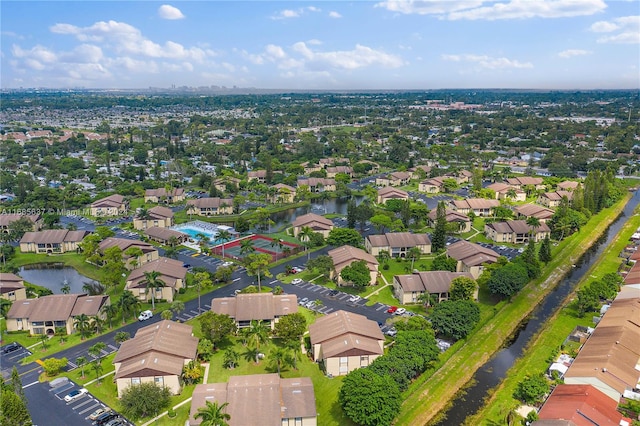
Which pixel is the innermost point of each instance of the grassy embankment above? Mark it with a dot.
(428, 396)
(552, 335)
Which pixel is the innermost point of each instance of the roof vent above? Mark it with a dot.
(604, 370)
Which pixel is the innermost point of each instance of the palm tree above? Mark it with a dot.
(177, 306)
(96, 350)
(224, 236)
(81, 361)
(128, 302)
(171, 252)
(97, 367)
(413, 254)
(5, 305)
(153, 282)
(173, 241)
(97, 324)
(166, 314)
(280, 357)
(230, 358)
(143, 214)
(296, 351)
(258, 333)
(213, 414)
(277, 242)
(203, 239)
(82, 323)
(246, 246)
(66, 288)
(109, 311)
(534, 223)
(305, 237)
(121, 336)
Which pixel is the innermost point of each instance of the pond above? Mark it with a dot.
(53, 277)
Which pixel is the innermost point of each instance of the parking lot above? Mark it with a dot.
(52, 409)
(10, 355)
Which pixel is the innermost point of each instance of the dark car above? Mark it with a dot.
(11, 347)
(333, 293)
(105, 418)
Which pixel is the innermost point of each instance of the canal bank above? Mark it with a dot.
(500, 402)
(429, 396)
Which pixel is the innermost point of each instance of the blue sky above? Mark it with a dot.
(322, 45)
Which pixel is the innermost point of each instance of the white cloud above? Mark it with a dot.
(488, 62)
(303, 58)
(290, 13)
(361, 56)
(573, 52)
(428, 7)
(126, 39)
(627, 29)
(493, 10)
(314, 42)
(335, 15)
(170, 12)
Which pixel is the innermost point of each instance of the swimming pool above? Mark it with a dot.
(198, 227)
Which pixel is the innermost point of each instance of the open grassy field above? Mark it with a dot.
(427, 396)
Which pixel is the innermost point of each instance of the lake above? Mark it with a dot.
(54, 276)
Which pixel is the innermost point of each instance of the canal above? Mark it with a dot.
(493, 372)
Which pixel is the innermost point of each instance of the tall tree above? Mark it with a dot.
(304, 236)
(257, 333)
(153, 282)
(223, 236)
(82, 324)
(439, 237)
(258, 264)
(544, 253)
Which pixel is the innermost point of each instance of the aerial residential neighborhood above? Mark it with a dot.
(320, 214)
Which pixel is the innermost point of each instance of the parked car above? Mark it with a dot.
(333, 293)
(354, 298)
(297, 269)
(303, 301)
(11, 347)
(400, 311)
(75, 394)
(99, 412)
(118, 421)
(296, 281)
(105, 418)
(310, 304)
(226, 264)
(145, 315)
(391, 332)
(392, 309)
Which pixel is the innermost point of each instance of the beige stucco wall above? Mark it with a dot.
(18, 294)
(332, 365)
(171, 382)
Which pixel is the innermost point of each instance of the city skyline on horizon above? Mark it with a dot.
(391, 45)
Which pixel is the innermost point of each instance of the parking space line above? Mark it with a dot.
(88, 401)
(194, 312)
(345, 295)
(92, 407)
(207, 306)
(328, 310)
(66, 388)
(324, 290)
(113, 347)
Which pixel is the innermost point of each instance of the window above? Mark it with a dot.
(364, 360)
(344, 365)
(159, 380)
(135, 380)
(142, 291)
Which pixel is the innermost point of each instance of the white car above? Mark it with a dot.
(145, 315)
(400, 311)
(296, 281)
(226, 264)
(75, 394)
